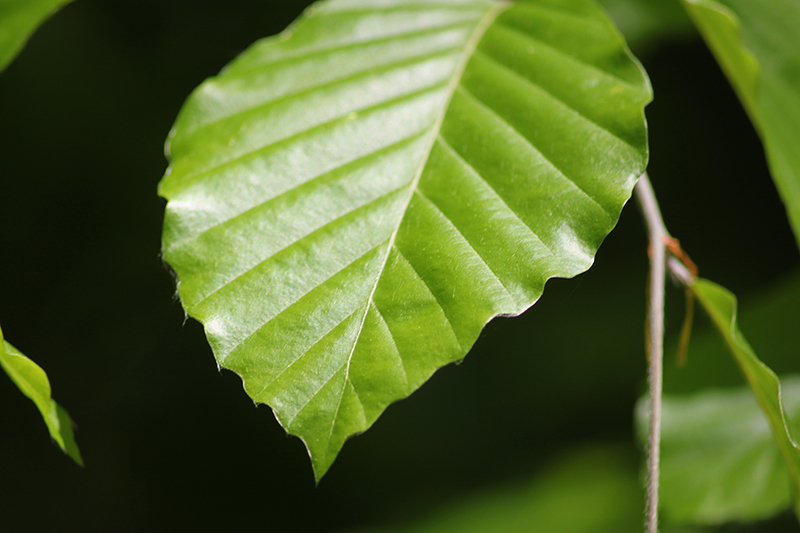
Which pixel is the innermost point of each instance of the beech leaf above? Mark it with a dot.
(351, 202)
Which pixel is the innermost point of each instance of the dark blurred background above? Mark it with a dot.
(170, 443)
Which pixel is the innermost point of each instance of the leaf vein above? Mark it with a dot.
(433, 294)
(468, 243)
(564, 54)
(316, 393)
(500, 197)
(313, 130)
(342, 46)
(305, 294)
(284, 99)
(536, 150)
(358, 161)
(394, 342)
(318, 232)
(306, 352)
(472, 43)
(531, 83)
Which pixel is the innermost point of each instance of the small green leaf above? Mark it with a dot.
(758, 46)
(719, 460)
(721, 306)
(352, 201)
(33, 383)
(18, 20)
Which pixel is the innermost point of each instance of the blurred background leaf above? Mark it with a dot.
(759, 50)
(770, 320)
(593, 490)
(648, 23)
(720, 459)
(720, 462)
(18, 20)
(722, 306)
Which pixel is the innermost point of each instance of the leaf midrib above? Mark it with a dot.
(472, 44)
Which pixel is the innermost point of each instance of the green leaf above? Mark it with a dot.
(352, 201)
(770, 319)
(18, 20)
(721, 305)
(758, 46)
(33, 383)
(719, 459)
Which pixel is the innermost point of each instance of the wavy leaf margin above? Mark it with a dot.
(431, 291)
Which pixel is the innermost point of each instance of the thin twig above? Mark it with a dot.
(655, 340)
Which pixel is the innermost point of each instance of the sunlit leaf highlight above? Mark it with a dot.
(350, 202)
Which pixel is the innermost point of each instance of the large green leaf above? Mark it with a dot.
(352, 201)
(33, 383)
(758, 46)
(721, 305)
(18, 20)
(719, 459)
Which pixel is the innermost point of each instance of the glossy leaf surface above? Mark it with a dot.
(18, 20)
(758, 46)
(721, 305)
(33, 383)
(720, 462)
(352, 201)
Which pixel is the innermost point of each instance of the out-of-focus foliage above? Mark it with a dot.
(758, 47)
(720, 462)
(18, 20)
(771, 323)
(648, 23)
(721, 305)
(592, 491)
(721, 459)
